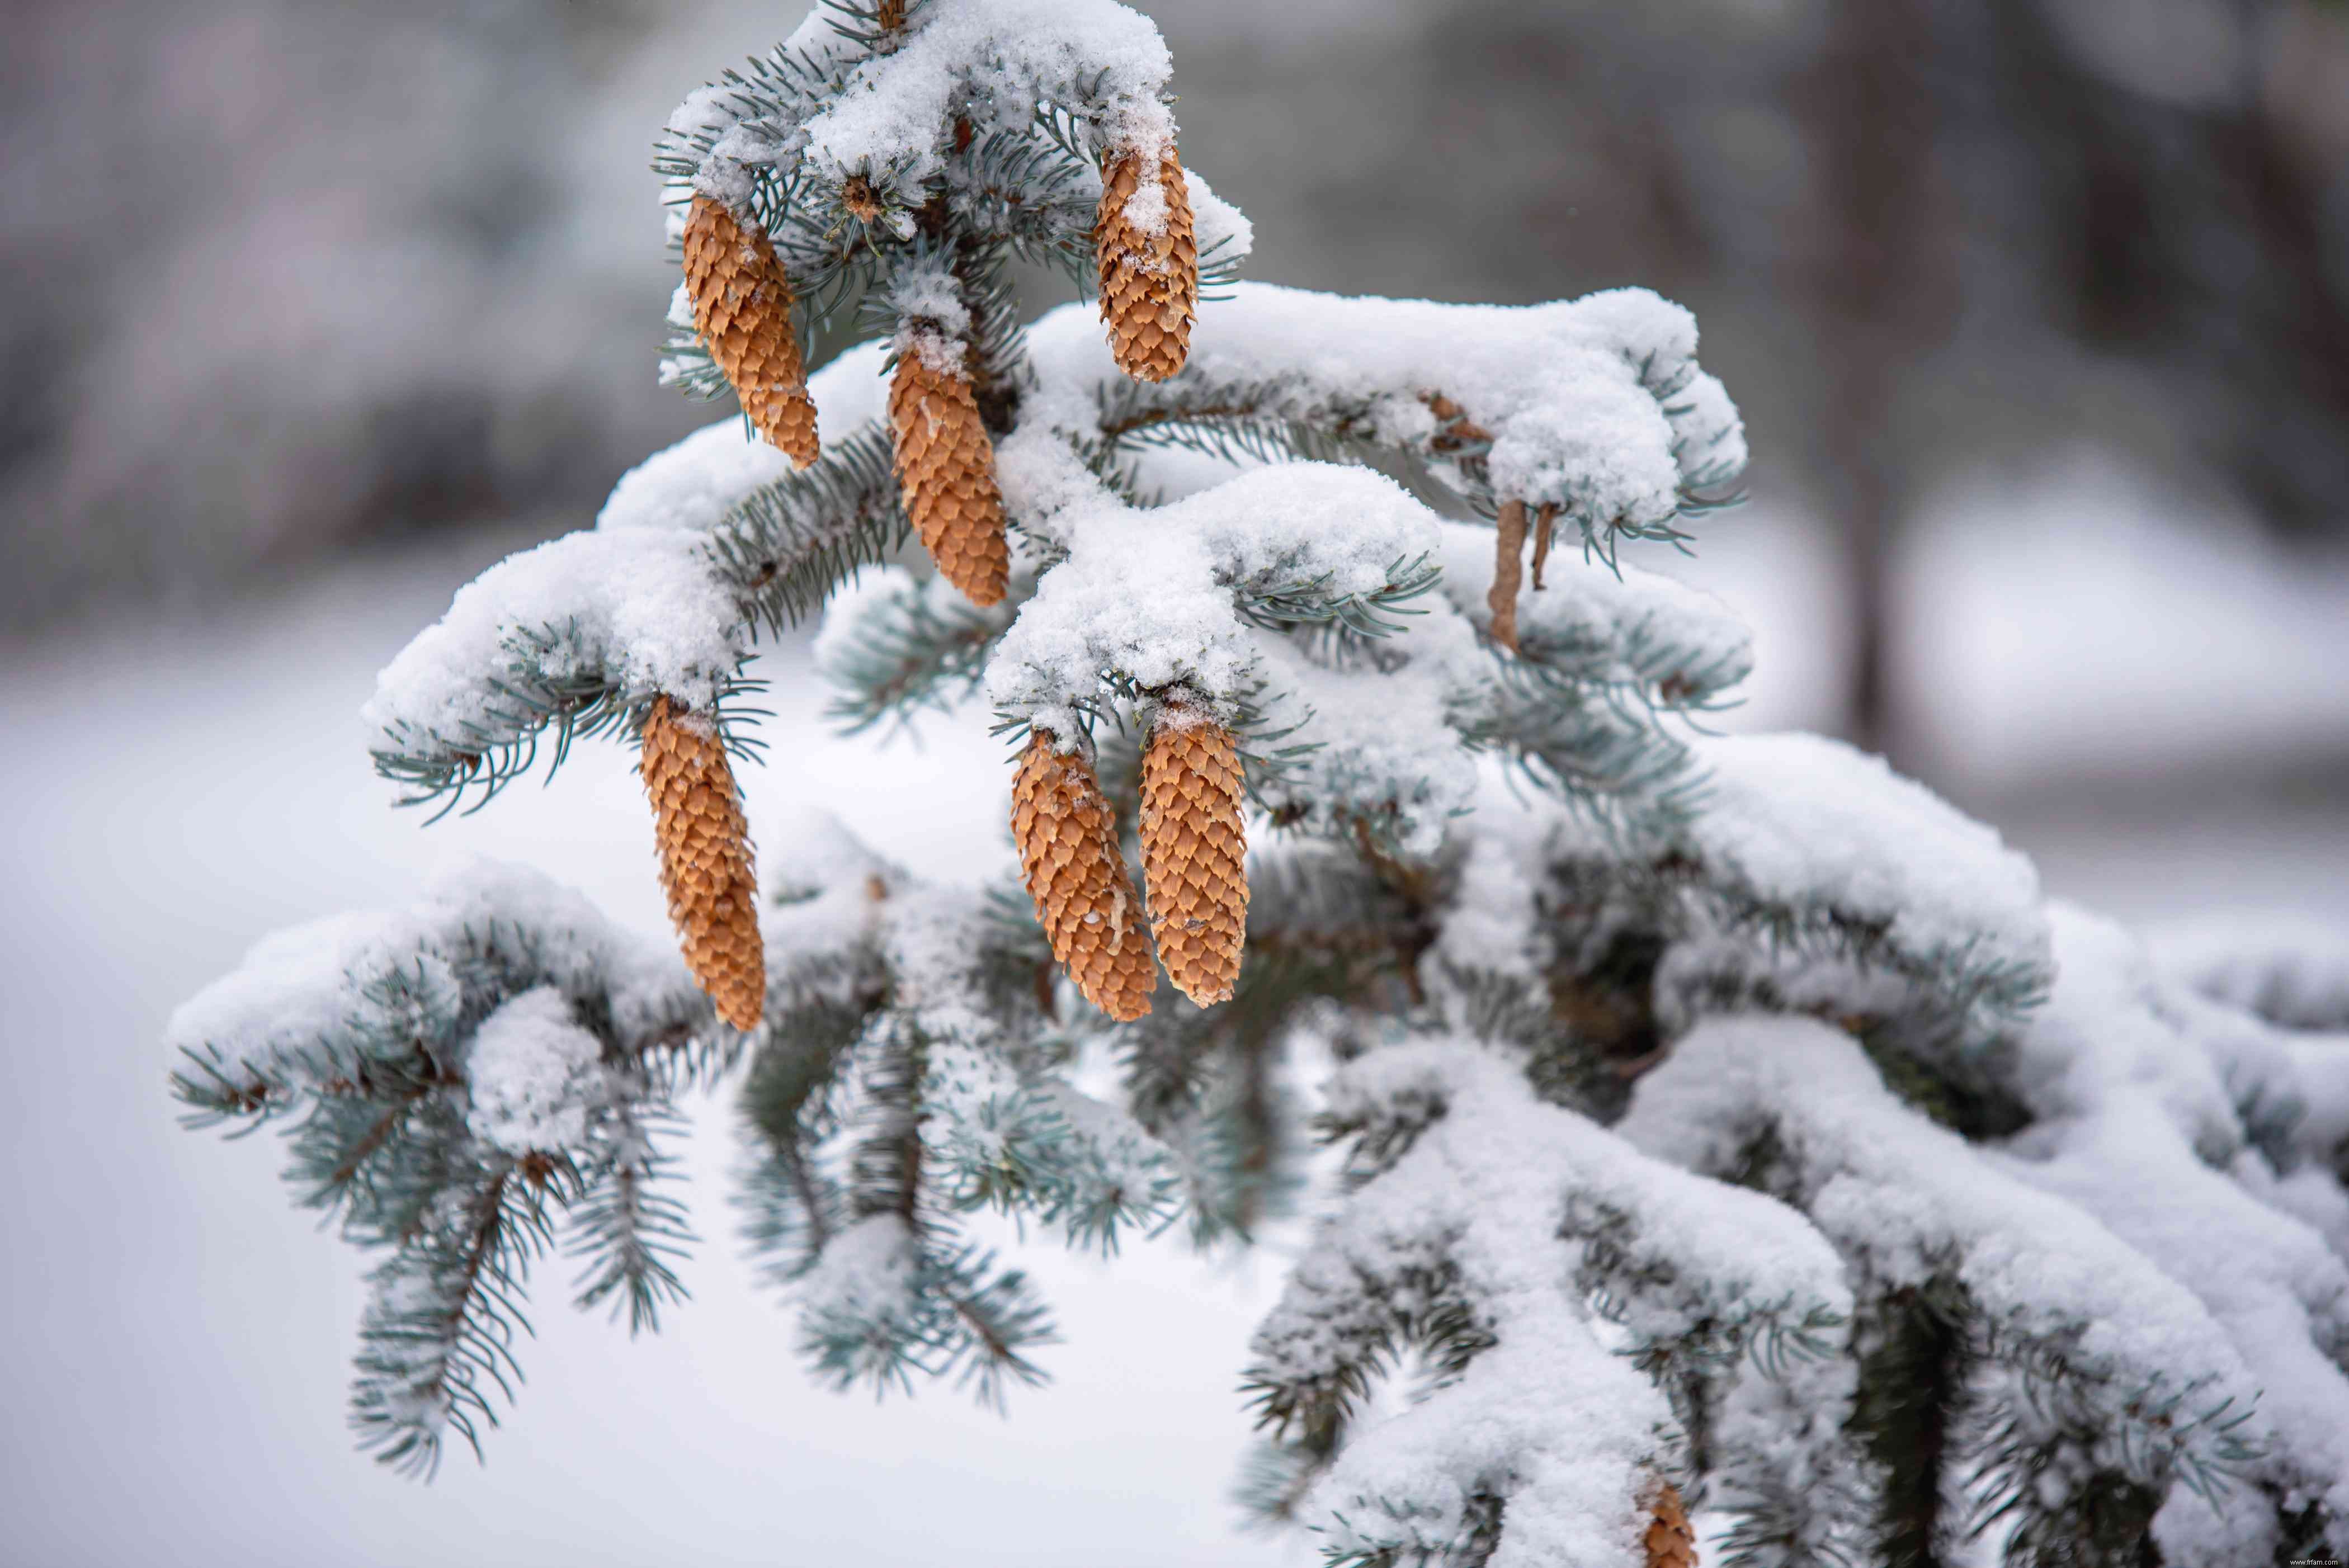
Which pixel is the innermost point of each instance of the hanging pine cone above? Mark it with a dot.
(1508, 571)
(1670, 1542)
(1149, 265)
(743, 309)
(1195, 851)
(1069, 856)
(705, 859)
(946, 467)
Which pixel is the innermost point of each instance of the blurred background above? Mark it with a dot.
(2038, 312)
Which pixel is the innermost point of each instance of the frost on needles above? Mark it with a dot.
(1724, 1126)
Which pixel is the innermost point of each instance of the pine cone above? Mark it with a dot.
(1149, 275)
(945, 468)
(1670, 1542)
(743, 309)
(1069, 856)
(1508, 571)
(705, 859)
(1195, 851)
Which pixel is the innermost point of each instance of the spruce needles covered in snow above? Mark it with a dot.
(1719, 1123)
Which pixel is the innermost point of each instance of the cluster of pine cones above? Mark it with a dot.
(1194, 838)
(1193, 843)
(1194, 861)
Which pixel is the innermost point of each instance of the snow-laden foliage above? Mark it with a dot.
(457, 1079)
(1729, 1116)
(1585, 1318)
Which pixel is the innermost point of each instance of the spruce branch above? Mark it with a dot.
(438, 1333)
(915, 650)
(626, 1227)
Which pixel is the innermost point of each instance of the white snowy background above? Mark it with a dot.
(2128, 677)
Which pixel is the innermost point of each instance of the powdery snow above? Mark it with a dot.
(643, 610)
(2291, 970)
(994, 60)
(867, 1273)
(533, 1077)
(1906, 1201)
(2137, 1084)
(1149, 594)
(1495, 924)
(1549, 1418)
(1593, 404)
(1630, 628)
(1806, 821)
(695, 482)
(403, 975)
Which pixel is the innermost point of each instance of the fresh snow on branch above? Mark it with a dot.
(1532, 1262)
(2292, 973)
(426, 972)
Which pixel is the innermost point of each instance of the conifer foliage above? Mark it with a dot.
(1735, 1158)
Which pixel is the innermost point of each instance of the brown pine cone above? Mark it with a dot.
(705, 859)
(1149, 281)
(1508, 571)
(1195, 851)
(945, 468)
(1670, 1542)
(1069, 858)
(743, 309)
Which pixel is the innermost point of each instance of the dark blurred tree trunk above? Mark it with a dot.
(1878, 280)
(2193, 240)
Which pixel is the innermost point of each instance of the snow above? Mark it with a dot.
(704, 108)
(930, 938)
(929, 295)
(2289, 970)
(1596, 405)
(2266, 1277)
(533, 1078)
(1384, 749)
(867, 1273)
(1148, 594)
(293, 990)
(1574, 393)
(251, 801)
(1125, 1160)
(1812, 823)
(694, 483)
(994, 60)
(399, 976)
(2137, 1084)
(826, 891)
(1494, 925)
(645, 610)
(2110, 625)
(1550, 1417)
(1906, 1200)
(1220, 231)
(1633, 626)
(691, 485)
